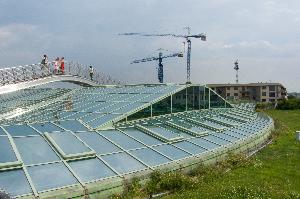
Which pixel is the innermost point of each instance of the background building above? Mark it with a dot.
(260, 92)
(297, 95)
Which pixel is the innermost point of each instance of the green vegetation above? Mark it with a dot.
(273, 172)
(290, 104)
(264, 106)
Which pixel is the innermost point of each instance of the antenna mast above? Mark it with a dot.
(236, 67)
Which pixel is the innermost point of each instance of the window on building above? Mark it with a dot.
(263, 100)
(235, 88)
(264, 94)
(264, 87)
(272, 100)
(227, 94)
(243, 88)
(236, 94)
(227, 88)
(271, 88)
(271, 94)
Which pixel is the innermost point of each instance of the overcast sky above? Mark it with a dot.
(264, 35)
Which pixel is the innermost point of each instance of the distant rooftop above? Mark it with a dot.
(247, 84)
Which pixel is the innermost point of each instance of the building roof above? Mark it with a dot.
(56, 141)
(248, 84)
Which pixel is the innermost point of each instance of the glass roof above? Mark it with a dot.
(94, 106)
(57, 139)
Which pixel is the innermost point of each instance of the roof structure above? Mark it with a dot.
(73, 142)
(247, 84)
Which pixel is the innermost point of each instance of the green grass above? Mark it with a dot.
(273, 172)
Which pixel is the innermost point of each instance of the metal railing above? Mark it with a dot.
(31, 72)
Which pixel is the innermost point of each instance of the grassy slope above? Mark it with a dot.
(273, 173)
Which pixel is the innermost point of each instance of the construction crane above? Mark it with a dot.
(236, 68)
(160, 69)
(189, 46)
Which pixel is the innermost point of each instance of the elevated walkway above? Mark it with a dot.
(22, 77)
(45, 80)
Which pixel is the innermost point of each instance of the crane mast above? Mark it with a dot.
(236, 68)
(188, 62)
(160, 69)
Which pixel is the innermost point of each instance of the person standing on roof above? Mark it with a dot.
(56, 65)
(44, 65)
(62, 65)
(91, 71)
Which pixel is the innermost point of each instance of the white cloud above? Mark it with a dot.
(13, 33)
(255, 44)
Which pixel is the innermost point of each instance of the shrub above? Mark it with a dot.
(290, 104)
(132, 188)
(264, 106)
(167, 182)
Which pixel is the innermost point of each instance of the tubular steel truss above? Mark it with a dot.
(32, 72)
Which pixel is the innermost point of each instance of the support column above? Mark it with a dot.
(171, 103)
(208, 98)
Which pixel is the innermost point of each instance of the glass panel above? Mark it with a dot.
(226, 120)
(179, 101)
(146, 112)
(113, 107)
(14, 182)
(189, 125)
(213, 124)
(6, 151)
(72, 125)
(163, 132)
(123, 163)
(234, 134)
(226, 137)
(149, 157)
(171, 151)
(102, 120)
(20, 130)
(98, 143)
(152, 97)
(204, 93)
(147, 139)
(162, 107)
(73, 115)
(216, 140)
(68, 142)
(192, 98)
(239, 131)
(204, 143)
(92, 169)
(2, 131)
(35, 150)
(51, 176)
(189, 147)
(102, 106)
(216, 101)
(121, 139)
(91, 116)
(46, 127)
(129, 107)
(159, 123)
